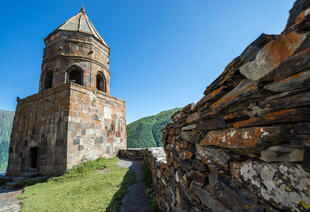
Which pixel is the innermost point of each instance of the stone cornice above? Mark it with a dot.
(94, 42)
(68, 87)
(85, 34)
(99, 94)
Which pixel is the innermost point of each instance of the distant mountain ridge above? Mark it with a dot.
(6, 123)
(146, 132)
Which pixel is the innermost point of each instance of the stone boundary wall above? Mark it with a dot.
(132, 153)
(244, 146)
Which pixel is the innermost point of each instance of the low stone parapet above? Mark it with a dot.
(132, 153)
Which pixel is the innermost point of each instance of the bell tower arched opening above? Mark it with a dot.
(75, 75)
(48, 79)
(101, 82)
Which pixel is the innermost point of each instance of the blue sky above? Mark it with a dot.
(164, 53)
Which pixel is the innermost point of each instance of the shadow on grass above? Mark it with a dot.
(150, 188)
(128, 180)
(29, 182)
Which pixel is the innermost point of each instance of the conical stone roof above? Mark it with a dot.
(80, 23)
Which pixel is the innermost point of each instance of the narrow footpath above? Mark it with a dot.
(135, 199)
(8, 201)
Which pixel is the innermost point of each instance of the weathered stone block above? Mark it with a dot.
(282, 154)
(285, 185)
(246, 138)
(271, 55)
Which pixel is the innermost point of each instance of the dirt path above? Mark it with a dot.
(8, 201)
(135, 200)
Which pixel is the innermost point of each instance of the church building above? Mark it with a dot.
(72, 118)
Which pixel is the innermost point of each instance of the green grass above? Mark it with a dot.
(83, 188)
(150, 190)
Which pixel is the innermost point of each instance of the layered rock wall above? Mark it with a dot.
(245, 145)
(132, 153)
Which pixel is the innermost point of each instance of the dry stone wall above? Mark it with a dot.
(244, 146)
(132, 153)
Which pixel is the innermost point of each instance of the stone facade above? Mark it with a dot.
(73, 118)
(244, 146)
(96, 125)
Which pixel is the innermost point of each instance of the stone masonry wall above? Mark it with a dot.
(132, 153)
(96, 125)
(40, 121)
(244, 146)
(73, 118)
(68, 124)
(65, 49)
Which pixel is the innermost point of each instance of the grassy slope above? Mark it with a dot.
(146, 132)
(84, 188)
(6, 122)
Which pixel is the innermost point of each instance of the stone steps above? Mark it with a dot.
(12, 181)
(4, 178)
(29, 174)
(10, 185)
(17, 179)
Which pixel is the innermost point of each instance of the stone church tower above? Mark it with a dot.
(73, 118)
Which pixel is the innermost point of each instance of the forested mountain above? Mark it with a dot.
(6, 122)
(146, 132)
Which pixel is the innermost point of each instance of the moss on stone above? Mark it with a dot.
(305, 204)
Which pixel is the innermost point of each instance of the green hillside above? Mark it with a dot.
(146, 132)
(6, 122)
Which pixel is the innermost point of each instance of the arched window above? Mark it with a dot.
(75, 74)
(48, 79)
(101, 83)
